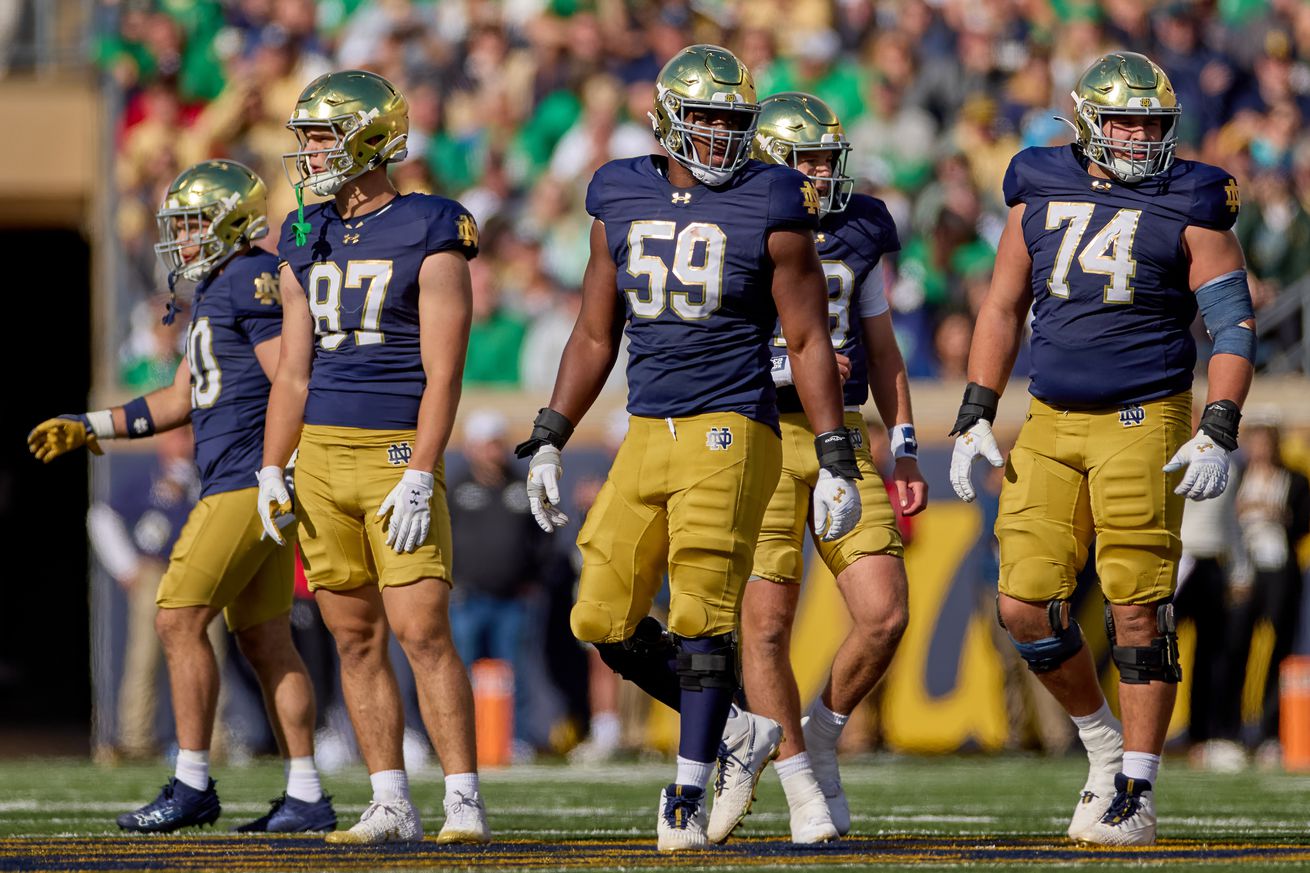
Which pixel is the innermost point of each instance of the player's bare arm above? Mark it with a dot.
(999, 327)
(891, 394)
(267, 354)
(800, 293)
(594, 344)
(166, 408)
(286, 400)
(1215, 254)
(445, 312)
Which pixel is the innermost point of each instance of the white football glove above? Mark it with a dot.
(274, 503)
(410, 505)
(975, 441)
(1207, 467)
(545, 471)
(837, 506)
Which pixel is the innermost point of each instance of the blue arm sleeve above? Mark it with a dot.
(1225, 303)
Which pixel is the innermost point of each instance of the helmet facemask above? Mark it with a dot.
(1130, 161)
(834, 190)
(734, 143)
(183, 230)
(341, 163)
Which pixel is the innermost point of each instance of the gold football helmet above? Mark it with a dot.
(368, 117)
(706, 78)
(1125, 83)
(210, 212)
(793, 123)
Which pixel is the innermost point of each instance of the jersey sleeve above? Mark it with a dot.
(596, 191)
(1215, 199)
(793, 202)
(287, 250)
(1015, 186)
(257, 303)
(452, 228)
(880, 227)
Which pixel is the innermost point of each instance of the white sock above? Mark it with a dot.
(389, 785)
(464, 783)
(798, 782)
(1101, 733)
(693, 772)
(193, 769)
(825, 725)
(302, 780)
(606, 729)
(1142, 765)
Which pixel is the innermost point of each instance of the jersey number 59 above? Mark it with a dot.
(697, 241)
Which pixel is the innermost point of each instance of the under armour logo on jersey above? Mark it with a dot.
(820, 238)
(1132, 416)
(718, 439)
(350, 239)
(681, 199)
(1101, 186)
(398, 454)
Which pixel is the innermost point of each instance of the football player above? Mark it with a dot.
(700, 252)
(376, 319)
(222, 562)
(1114, 244)
(855, 231)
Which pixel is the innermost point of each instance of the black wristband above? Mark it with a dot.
(836, 451)
(549, 428)
(979, 404)
(1219, 420)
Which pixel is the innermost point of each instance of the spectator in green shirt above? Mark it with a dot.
(496, 336)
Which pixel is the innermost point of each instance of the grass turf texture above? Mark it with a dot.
(909, 813)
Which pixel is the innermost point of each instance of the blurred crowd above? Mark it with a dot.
(514, 103)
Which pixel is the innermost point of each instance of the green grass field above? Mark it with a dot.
(910, 813)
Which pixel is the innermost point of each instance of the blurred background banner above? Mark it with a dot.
(513, 105)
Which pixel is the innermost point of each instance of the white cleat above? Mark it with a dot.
(1130, 820)
(749, 743)
(466, 819)
(681, 823)
(386, 821)
(811, 822)
(1097, 793)
(823, 761)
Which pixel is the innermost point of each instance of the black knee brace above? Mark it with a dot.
(708, 662)
(1048, 653)
(1157, 662)
(644, 659)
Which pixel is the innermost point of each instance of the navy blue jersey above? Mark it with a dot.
(361, 280)
(851, 243)
(697, 282)
(1112, 304)
(235, 309)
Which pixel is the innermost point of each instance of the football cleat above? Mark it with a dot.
(383, 821)
(681, 823)
(811, 820)
(1097, 792)
(177, 806)
(1130, 820)
(291, 815)
(749, 743)
(466, 819)
(823, 761)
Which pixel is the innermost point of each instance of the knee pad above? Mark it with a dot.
(1048, 653)
(591, 622)
(708, 662)
(1157, 662)
(645, 660)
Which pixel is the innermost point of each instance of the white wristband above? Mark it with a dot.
(781, 371)
(102, 424)
(904, 444)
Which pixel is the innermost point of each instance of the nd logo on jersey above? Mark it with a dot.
(1132, 416)
(718, 439)
(398, 454)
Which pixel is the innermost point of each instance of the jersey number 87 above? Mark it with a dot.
(325, 284)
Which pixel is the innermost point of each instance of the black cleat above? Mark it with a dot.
(177, 806)
(290, 815)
